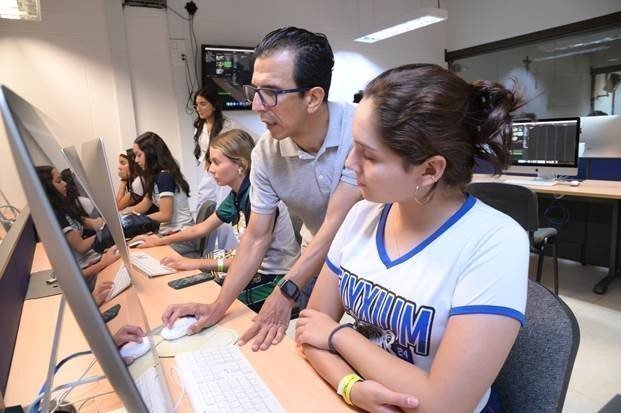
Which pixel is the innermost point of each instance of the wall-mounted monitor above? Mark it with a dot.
(546, 147)
(228, 69)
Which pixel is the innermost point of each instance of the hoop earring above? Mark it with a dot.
(425, 199)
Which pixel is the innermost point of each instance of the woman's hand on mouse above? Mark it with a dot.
(148, 241)
(128, 333)
(101, 292)
(177, 262)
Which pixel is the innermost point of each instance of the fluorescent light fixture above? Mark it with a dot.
(426, 16)
(558, 56)
(20, 9)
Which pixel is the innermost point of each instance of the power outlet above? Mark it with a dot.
(177, 52)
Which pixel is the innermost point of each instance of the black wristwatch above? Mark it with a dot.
(289, 289)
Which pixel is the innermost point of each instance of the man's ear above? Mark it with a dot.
(314, 99)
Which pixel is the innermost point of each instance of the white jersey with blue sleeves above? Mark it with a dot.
(475, 263)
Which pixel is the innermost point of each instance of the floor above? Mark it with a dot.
(596, 376)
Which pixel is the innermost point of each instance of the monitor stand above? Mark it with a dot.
(542, 177)
(49, 380)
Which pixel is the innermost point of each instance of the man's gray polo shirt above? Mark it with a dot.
(304, 182)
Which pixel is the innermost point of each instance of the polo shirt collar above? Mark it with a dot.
(242, 190)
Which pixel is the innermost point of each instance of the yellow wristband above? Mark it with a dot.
(345, 385)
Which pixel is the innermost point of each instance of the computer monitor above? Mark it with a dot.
(228, 69)
(601, 136)
(545, 147)
(24, 141)
(16, 255)
(96, 181)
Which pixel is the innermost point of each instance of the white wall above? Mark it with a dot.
(62, 66)
(244, 23)
(475, 22)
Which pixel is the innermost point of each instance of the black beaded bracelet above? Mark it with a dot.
(330, 345)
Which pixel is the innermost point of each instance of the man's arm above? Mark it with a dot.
(273, 319)
(250, 252)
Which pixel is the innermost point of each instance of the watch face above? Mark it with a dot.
(289, 288)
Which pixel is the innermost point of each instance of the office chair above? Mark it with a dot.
(520, 203)
(205, 210)
(536, 374)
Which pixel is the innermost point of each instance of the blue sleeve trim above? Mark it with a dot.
(489, 309)
(336, 270)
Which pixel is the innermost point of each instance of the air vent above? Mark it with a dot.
(154, 4)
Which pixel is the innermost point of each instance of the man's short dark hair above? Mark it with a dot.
(314, 59)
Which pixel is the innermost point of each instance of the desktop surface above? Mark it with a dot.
(279, 366)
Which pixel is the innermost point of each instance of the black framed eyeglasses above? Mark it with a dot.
(268, 96)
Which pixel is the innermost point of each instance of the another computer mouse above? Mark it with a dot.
(178, 329)
(135, 243)
(134, 350)
(574, 183)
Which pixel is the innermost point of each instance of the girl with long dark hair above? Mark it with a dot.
(131, 188)
(164, 184)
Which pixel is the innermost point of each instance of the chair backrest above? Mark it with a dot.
(536, 374)
(204, 211)
(517, 201)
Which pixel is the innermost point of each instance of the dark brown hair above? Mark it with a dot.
(425, 110)
(210, 94)
(158, 158)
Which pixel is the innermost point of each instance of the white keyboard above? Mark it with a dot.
(529, 182)
(150, 388)
(222, 380)
(149, 265)
(121, 282)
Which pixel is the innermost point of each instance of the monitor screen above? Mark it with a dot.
(16, 254)
(228, 69)
(28, 137)
(545, 146)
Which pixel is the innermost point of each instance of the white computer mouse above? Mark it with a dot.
(574, 183)
(134, 350)
(178, 329)
(135, 243)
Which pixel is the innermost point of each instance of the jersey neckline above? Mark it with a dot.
(381, 230)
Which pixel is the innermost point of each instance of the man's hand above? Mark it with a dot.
(372, 396)
(177, 262)
(206, 315)
(271, 323)
(314, 328)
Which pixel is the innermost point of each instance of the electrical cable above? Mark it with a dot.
(36, 404)
(91, 379)
(177, 380)
(198, 83)
(557, 222)
(88, 399)
(177, 13)
(62, 397)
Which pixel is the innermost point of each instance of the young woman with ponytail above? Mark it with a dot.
(435, 279)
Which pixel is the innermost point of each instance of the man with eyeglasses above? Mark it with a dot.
(299, 160)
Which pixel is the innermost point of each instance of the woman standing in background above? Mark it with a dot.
(209, 123)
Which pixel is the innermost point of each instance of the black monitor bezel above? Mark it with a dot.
(204, 49)
(539, 165)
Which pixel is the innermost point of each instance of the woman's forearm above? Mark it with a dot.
(331, 367)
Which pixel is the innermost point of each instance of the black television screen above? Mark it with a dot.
(228, 68)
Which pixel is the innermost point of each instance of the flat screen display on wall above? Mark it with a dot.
(228, 68)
